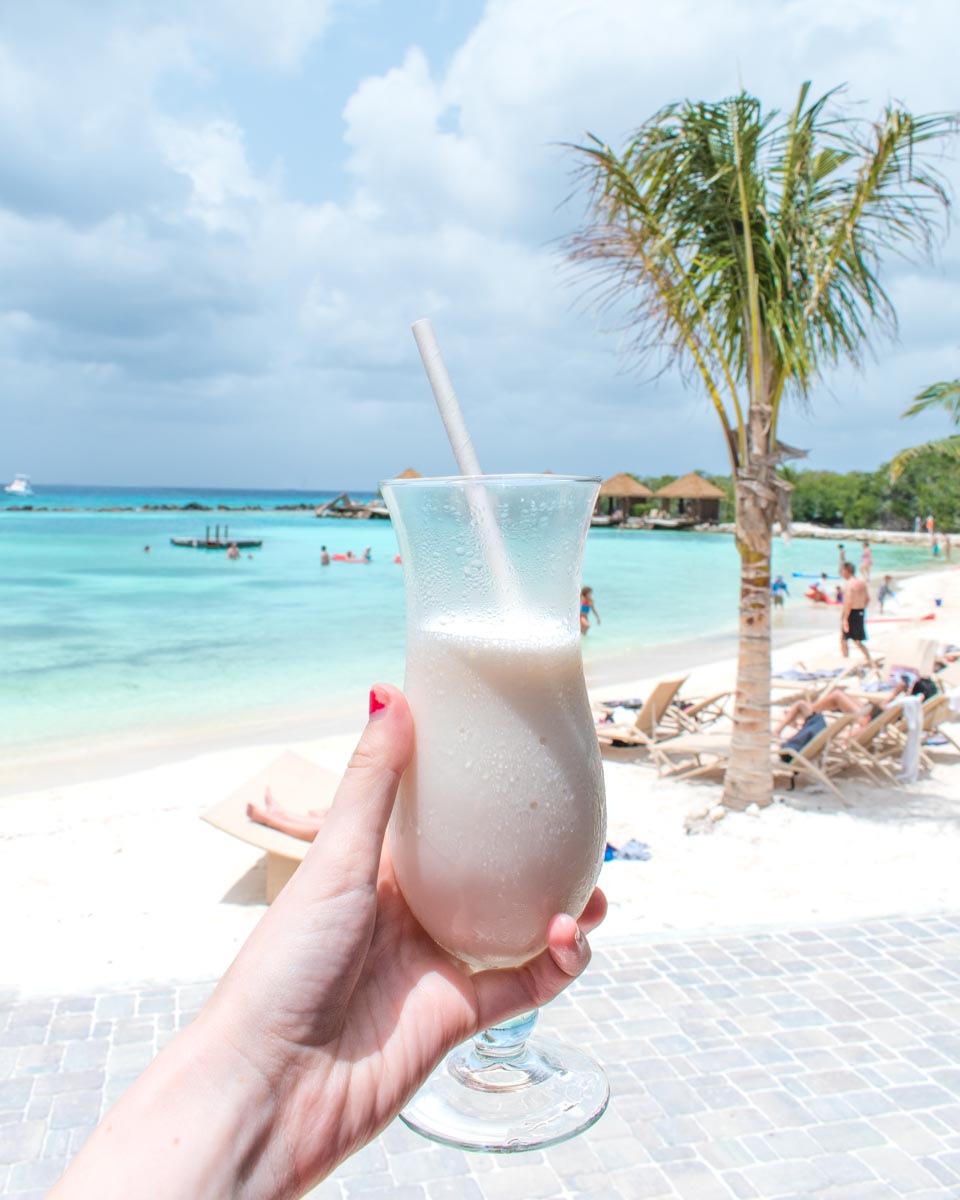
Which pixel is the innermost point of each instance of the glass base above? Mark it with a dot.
(550, 1093)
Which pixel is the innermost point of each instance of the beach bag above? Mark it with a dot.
(813, 725)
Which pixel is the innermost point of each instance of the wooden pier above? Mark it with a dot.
(216, 542)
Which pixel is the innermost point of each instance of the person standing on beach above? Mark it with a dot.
(935, 546)
(779, 589)
(324, 557)
(886, 591)
(587, 607)
(856, 597)
(930, 527)
(916, 523)
(866, 560)
(843, 558)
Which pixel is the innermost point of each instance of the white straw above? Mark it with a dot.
(481, 504)
(446, 398)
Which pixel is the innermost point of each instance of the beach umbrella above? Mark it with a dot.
(409, 473)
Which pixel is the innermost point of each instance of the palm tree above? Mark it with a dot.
(937, 395)
(747, 247)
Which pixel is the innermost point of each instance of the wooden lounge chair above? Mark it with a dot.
(299, 786)
(785, 691)
(649, 726)
(876, 749)
(805, 763)
(697, 715)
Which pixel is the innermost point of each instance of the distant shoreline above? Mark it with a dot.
(192, 506)
(894, 537)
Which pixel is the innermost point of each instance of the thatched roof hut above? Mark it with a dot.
(696, 497)
(617, 494)
(409, 473)
(624, 486)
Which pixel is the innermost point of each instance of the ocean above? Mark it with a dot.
(100, 640)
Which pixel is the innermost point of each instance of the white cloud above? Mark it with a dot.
(153, 274)
(279, 34)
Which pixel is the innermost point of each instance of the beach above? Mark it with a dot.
(116, 879)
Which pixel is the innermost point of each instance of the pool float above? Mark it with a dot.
(893, 620)
(820, 597)
(343, 558)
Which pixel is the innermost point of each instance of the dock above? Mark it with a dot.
(217, 542)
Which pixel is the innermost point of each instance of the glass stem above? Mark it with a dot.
(506, 1041)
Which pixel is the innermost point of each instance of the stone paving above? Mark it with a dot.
(784, 1065)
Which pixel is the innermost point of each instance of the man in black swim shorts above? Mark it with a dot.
(856, 597)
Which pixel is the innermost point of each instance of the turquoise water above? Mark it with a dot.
(99, 639)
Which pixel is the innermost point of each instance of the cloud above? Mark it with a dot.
(155, 280)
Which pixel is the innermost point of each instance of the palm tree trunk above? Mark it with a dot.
(749, 777)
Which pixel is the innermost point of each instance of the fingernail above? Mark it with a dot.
(376, 703)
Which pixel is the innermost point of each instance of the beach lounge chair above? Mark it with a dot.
(812, 685)
(805, 763)
(876, 749)
(299, 786)
(697, 715)
(648, 727)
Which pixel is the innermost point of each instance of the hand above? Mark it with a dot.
(332, 1015)
(343, 1002)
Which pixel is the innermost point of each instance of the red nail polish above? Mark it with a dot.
(375, 702)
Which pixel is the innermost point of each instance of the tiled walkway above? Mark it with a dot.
(807, 1063)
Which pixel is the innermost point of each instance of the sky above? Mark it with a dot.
(218, 222)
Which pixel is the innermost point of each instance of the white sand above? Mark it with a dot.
(117, 880)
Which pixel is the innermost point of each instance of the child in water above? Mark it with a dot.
(586, 608)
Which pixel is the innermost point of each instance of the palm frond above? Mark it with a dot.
(749, 243)
(947, 448)
(938, 395)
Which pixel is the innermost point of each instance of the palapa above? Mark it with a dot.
(626, 487)
(409, 473)
(698, 499)
(690, 487)
(619, 492)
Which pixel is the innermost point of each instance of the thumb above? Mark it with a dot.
(346, 853)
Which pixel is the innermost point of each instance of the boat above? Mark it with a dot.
(20, 486)
(216, 542)
(343, 506)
